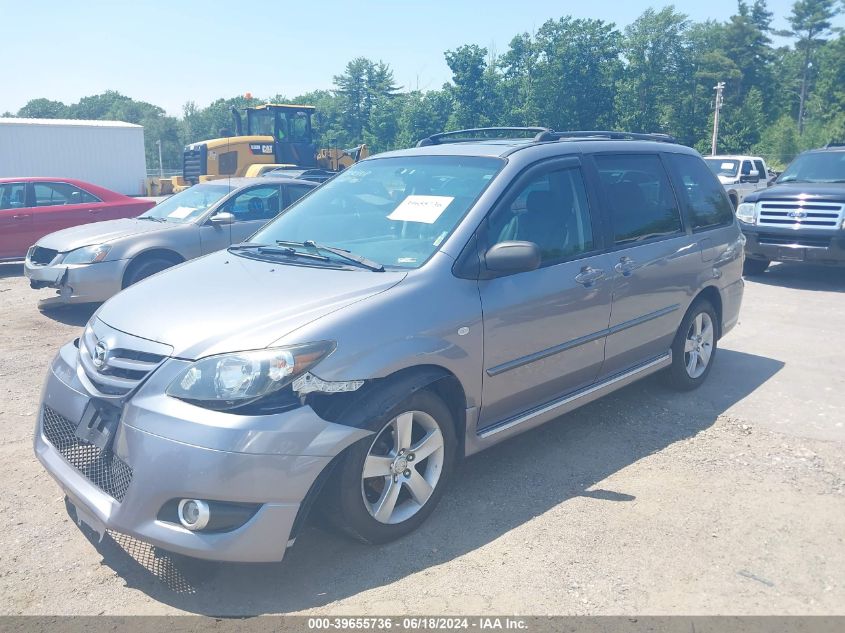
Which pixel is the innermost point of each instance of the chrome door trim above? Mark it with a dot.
(589, 393)
(562, 347)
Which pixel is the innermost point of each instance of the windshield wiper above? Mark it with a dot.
(151, 218)
(338, 252)
(275, 250)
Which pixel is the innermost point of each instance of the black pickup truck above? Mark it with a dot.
(801, 217)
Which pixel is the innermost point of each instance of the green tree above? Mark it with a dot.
(656, 48)
(576, 71)
(44, 109)
(810, 23)
(469, 75)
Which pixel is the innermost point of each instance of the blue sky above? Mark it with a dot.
(168, 53)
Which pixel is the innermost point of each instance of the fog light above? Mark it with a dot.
(194, 514)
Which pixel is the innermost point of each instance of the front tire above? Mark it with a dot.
(388, 484)
(146, 267)
(694, 347)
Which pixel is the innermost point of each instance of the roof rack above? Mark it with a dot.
(536, 135)
(551, 135)
(482, 134)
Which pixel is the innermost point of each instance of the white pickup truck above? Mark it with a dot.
(740, 175)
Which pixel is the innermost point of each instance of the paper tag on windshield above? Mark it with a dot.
(181, 212)
(727, 166)
(424, 209)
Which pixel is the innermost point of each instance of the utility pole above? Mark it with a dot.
(160, 164)
(719, 87)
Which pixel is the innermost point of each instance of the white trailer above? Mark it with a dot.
(106, 153)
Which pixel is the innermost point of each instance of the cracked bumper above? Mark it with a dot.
(176, 450)
(78, 283)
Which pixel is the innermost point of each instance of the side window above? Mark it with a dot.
(641, 201)
(295, 192)
(257, 203)
(12, 195)
(48, 194)
(550, 210)
(746, 167)
(705, 197)
(298, 127)
(761, 169)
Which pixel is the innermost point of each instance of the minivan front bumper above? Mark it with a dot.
(147, 467)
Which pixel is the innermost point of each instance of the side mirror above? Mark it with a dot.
(752, 176)
(508, 258)
(222, 218)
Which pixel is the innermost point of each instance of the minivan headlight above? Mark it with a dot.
(747, 212)
(228, 381)
(87, 254)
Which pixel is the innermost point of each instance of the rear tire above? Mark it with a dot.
(753, 267)
(400, 487)
(694, 347)
(146, 267)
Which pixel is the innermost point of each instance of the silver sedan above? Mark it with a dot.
(92, 262)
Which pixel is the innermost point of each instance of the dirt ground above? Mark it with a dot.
(728, 500)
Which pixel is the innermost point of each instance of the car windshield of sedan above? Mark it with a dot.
(394, 211)
(722, 167)
(186, 206)
(818, 167)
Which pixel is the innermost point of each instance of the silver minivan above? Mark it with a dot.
(421, 306)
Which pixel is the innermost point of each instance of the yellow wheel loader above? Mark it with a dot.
(277, 136)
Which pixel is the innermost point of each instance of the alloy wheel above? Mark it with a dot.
(698, 346)
(402, 467)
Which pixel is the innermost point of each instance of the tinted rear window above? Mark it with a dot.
(703, 194)
(642, 203)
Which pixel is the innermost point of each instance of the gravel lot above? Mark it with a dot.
(727, 500)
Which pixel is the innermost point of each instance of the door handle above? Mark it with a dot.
(22, 216)
(94, 211)
(588, 276)
(625, 266)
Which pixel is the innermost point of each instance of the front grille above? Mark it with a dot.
(800, 214)
(123, 368)
(796, 240)
(104, 469)
(194, 163)
(42, 256)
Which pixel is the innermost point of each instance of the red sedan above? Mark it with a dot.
(30, 208)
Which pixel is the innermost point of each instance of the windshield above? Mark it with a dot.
(816, 167)
(722, 167)
(186, 206)
(394, 211)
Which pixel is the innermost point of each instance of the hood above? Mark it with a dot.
(828, 192)
(226, 303)
(100, 232)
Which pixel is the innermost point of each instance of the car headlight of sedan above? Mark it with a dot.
(229, 381)
(87, 254)
(747, 212)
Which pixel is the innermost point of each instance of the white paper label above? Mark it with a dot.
(181, 212)
(424, 209)
(727, 166)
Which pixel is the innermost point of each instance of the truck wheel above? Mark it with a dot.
(146, 267)
(755, 267)
(387, 484)
(694, 347)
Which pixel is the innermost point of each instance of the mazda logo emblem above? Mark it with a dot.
(100, 353)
